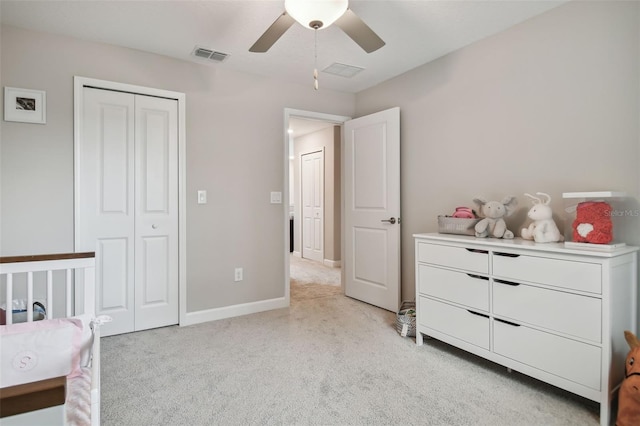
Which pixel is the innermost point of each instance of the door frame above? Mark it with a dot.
(78, 84)
(312, 115)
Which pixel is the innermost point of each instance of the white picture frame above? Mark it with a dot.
(25, 105)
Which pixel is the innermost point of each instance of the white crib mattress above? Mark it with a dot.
(78, 402)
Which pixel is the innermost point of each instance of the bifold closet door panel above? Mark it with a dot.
(156, 218)
(105, 201)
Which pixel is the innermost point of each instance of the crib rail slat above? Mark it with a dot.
(49, 294)
(68, 293)
(9, 312)
(90, 289)
(29, 296)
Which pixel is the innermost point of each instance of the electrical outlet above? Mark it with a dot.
(238, 274)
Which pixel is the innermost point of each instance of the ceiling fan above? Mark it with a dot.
(317, 14)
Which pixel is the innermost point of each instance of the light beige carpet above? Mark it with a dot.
(323, 361)
(312, 280)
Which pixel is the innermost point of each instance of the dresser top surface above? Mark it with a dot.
(519, 243)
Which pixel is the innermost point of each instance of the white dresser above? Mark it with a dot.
(550, 312)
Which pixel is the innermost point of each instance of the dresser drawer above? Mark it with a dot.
(456, 322)
(459, 287)
(454, 257)
(555, 272)
(567, 313)
(572, 360)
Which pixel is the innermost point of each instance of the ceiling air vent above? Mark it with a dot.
(343, 70)
(209, 54)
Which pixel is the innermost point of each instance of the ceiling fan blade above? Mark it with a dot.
(359, 32)
(273, 33)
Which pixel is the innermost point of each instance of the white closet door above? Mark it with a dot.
(106, 205)
(128, 206)
(156, 219)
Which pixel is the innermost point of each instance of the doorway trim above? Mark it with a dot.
(288, 113)
(78, 84)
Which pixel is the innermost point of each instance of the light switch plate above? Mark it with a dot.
(202, 197)
(276, 198)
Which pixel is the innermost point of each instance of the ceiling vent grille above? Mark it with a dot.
(209, 54)
(342, 70)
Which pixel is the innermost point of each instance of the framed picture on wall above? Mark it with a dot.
(25, 105)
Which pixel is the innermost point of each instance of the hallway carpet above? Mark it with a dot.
(312, 280)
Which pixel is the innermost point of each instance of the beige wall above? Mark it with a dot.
(549, 105)
(235, 150)
(328, 140)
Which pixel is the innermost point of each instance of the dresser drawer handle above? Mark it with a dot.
(480, 277)
(506, 282)
(478, 314)
(507, 322)
(477, 251)
(497, 253)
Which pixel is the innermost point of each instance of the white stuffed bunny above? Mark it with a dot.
(543, 229)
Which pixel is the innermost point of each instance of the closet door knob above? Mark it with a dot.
(154, 226)
(391, 220)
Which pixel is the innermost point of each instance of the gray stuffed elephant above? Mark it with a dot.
(493, 214)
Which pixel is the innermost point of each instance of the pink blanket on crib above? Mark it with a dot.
(78, 403)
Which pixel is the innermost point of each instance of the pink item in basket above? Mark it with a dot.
(464, 213)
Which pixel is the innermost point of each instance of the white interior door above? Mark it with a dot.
(106, 218)
(156, 212)
(312, 171)
(127, 206)
(372, 209)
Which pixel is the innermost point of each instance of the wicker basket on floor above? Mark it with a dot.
(406, 319)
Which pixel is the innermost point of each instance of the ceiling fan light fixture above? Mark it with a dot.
(309, 12)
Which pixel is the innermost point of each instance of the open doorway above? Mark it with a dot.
(369, 206)
(313, 182)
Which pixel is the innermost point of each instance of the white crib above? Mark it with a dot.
(65, 284)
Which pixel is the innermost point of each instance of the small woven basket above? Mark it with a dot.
(406, 319)
(455, 225)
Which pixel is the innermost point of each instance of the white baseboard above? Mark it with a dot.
(332, 263)
(325, 262)
(234, 311)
